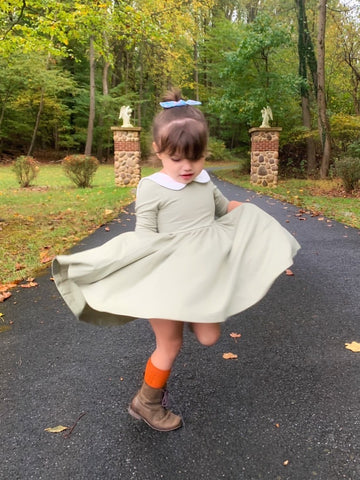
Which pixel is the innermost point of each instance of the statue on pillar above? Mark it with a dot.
(266, 117)
(125, 114)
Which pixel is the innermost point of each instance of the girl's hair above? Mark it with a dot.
(180, 131)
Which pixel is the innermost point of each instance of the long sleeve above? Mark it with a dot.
(147, 206)
(221, 203)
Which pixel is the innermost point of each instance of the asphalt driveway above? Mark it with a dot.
(287, 408)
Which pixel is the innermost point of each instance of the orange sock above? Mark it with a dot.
(154, 377)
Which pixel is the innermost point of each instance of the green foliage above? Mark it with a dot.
(348, 169)
(217, 151)
(254, 74)
(80, 169)
(26, 169)
(354, 149)
(345, 130)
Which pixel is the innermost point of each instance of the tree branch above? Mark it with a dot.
(17, 21)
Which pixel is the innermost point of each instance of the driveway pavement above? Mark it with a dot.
(287, 408)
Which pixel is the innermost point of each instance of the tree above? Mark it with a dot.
(90, 130)
(306, 59)
(323, 120)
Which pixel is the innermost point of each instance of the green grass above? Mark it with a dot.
(53, 215)
(48, 218)
(325, 197)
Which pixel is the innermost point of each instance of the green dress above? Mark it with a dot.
(188, 259)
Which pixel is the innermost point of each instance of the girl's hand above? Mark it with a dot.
(233, 204)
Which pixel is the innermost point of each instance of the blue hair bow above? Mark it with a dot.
(179, 103)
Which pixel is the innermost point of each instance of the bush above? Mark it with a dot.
(348, 169)
(80, 169)
(353, 150)
(217, 151)
(26, 169)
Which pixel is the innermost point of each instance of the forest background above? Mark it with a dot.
(67, 67)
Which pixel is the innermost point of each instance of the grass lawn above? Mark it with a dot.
(50, 217)
(47, 219)
(325, 197)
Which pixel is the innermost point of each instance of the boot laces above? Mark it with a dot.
(165, 401)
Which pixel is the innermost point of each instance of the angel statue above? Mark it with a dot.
(125, 114)
(266, 117)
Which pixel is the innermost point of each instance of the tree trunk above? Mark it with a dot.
(196, 70)
(304, 44)
(36, 127)
(105, 92)
(310, 142)
(90, 129)
(324, 126)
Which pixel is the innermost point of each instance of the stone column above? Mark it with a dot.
(127, 156)
(264, 155)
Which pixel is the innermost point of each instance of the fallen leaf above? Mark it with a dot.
(107, 229)
(229, 356)
(4, 328)
(29, 285)
(277, 425)
(289, 272)
(19, 266)
(353, 346)
(108, 211)
(47, 259)
(7, 286)
(4, 296)
(58, 429)
(285, 463)
(235, 336)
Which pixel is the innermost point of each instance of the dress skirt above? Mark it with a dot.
(203, 274)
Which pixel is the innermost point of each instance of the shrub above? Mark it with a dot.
(217, 151)
(80, 169)
(348, 169)
(353, 150)
(26, 169)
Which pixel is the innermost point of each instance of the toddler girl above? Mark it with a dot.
(194, 257)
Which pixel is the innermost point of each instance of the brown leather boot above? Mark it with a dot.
(147, 406)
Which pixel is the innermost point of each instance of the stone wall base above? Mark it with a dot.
(264, 156)
(127, 156)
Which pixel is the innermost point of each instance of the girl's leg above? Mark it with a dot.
(147, 404)
(169, 336)
(207, 333)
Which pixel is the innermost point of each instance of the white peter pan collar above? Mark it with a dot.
(165, 181)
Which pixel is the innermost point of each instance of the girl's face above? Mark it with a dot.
(180, 169)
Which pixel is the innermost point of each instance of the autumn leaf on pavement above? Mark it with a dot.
(289, 272)
(30, 284)
(58, 429)
(7, 286)
(4, 296)
(235, 336)
(229, 356)
(353, 346)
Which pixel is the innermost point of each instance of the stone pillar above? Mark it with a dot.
(264, 155)
(127, 156)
